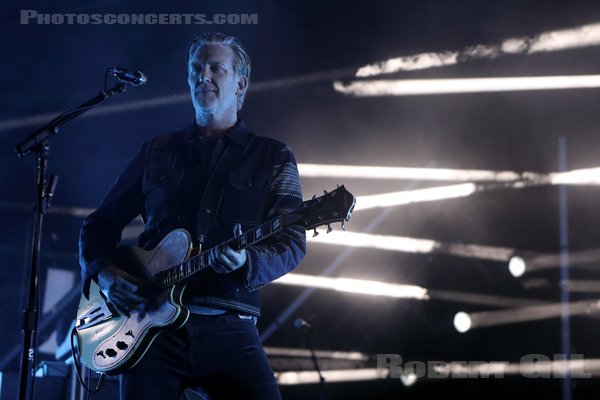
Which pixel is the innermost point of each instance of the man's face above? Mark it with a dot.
(214, 84)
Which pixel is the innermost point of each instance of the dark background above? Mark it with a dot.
(47, 69)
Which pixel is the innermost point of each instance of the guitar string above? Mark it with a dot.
(178, 272)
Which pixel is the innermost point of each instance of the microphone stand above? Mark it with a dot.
(308, 336)
(37, 142)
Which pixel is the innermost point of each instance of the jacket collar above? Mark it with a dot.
(237, 134)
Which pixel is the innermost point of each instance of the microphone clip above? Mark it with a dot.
(135, 78)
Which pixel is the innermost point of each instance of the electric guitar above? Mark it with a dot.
(111, 343)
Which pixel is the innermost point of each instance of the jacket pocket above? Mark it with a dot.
(245, 196)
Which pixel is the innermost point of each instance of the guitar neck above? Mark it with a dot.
(335, 206)
(186, 269)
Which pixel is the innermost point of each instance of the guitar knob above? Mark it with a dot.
(316, 233)
(324, 191)
(314, 196)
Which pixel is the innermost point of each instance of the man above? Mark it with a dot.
(214, 178)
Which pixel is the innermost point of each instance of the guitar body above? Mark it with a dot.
(109, 342)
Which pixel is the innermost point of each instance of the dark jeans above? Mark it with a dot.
(222, 355)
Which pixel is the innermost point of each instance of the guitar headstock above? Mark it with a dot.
(335, 206)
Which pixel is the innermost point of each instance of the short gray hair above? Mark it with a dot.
(241, 61)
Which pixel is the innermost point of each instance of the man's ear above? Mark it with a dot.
(242, 85)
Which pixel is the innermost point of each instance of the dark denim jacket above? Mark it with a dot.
(252, 180)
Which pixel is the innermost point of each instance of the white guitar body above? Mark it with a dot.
(109, 342)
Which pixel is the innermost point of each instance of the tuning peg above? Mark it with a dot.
(316, 233)
(338, 185)
(314, 196)
(329, 228)
(325, 191)
(344, 225)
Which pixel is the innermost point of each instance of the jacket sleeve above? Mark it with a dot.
(280, 254)
(102, 229)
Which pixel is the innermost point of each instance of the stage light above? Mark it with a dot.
(581, 36)
(414, 196)
(343, 375)
(359, 286)
(303, 353)
(462, 322)
(587, 176)
(573, 38)
(481, 299)
(410, 87)
(408, 378)
(539, 261)
(584, 286)
(517, 266)
(482, 319)
(406, 173)
(409, 63)
(411, 245)
(382, 242)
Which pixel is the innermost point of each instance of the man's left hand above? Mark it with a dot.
(223, 259)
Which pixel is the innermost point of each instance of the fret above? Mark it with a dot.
(192, 265)
(258, 233)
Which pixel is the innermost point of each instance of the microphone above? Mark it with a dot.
(136, 78)
(299, 323)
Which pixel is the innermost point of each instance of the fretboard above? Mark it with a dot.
(189, 267)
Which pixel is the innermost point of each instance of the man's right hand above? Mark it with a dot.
(119, 288)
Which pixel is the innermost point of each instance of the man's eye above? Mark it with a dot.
(216, 68)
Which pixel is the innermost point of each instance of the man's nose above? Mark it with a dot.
(205, 76)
